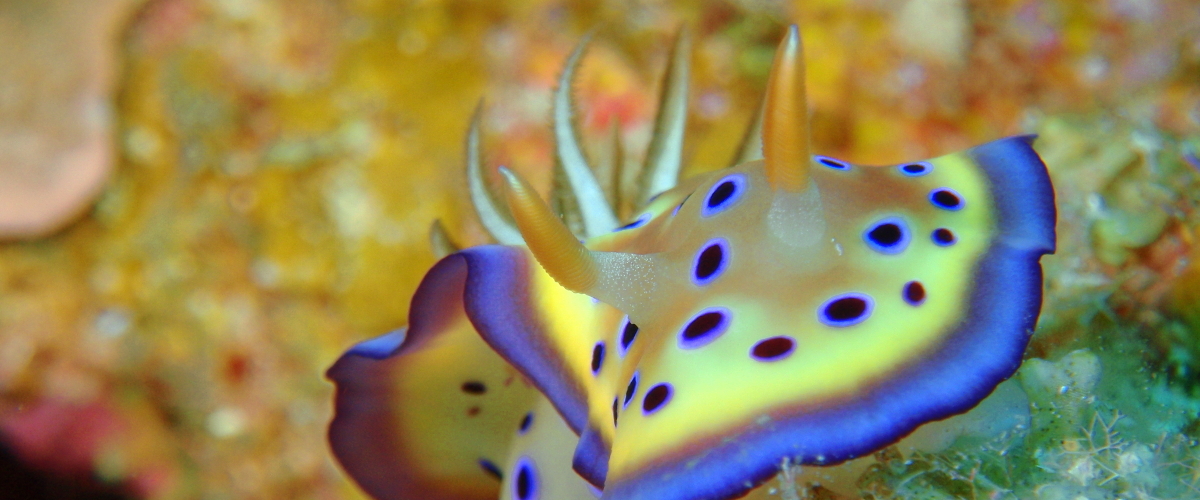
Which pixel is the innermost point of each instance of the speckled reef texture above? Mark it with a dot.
(276, 165)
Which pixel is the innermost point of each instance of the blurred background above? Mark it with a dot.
(204, 202)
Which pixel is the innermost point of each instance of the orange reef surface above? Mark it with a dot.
(276, 166)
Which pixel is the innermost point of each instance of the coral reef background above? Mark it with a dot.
(203, 202)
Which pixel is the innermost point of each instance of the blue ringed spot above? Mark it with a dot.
(889, 236)
(943, 237)
(704, 328)
(656, 398)
(914, 293)
(630, 390)
(832, 163)
(525, 484)
(916, 169)
(491, 469)
(525, 424)
(723, 195)
(639, 222)
(847, 309)
(627, 334)
(773, 349)
(710, 262)
(598, 357)
(946, 199)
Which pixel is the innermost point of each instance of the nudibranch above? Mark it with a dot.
(792, 308)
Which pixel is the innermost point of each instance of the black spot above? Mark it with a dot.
(524, 482)
(627, 336)
(914, 168)
(615, 401)
(474, 387)
(831, 163)
(655, 398)
(473, 411)
(773, 349)
(490, 468)
(525, 423)
(914, 292)
(845, 309)
(597, 357)
(945, 198)
(886, 234)
(943, 236)
(721, 194)
(710, 261)
(630, 390)
(703, 325)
